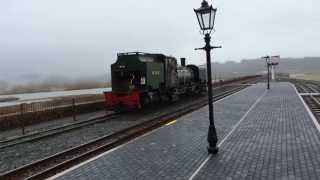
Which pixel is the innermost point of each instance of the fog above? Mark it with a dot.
(80, 38)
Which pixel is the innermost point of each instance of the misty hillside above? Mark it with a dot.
(40, 82)
(307, 65)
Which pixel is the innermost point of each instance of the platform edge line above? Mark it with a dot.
(200, 167)
(231, 95)
(313, 118)
(243, 117)
(226, 137)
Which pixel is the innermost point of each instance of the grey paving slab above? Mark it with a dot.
(172, 152)
(277, 140)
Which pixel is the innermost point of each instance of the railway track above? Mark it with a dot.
(55, 131)
(314, 104)
(304, 86)
(308, 90)
(315, 86)
(63, 160)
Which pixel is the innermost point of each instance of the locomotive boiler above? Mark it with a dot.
(191, 78)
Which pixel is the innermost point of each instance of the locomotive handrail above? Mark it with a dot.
(136, 53)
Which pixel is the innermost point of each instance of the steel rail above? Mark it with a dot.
(314, 105)
(55, 131)
(305, 86)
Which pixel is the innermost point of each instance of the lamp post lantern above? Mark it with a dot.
(206, 16)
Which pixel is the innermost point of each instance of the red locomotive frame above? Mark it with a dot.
(130, 99)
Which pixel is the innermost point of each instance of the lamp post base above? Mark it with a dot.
(212, 140)
(213, 150)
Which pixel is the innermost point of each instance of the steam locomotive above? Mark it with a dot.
(140, 79)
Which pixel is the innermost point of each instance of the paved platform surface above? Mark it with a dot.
(262, 135)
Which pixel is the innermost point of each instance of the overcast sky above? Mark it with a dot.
(82, 37)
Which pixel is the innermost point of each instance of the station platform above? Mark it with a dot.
(262, 135)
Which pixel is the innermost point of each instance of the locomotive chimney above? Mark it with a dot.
(183, 61)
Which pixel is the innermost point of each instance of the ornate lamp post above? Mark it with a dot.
(269, 64)
(206, 16)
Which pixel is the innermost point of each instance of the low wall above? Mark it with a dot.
(18, 120)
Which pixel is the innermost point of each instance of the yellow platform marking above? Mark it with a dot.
(171, 122)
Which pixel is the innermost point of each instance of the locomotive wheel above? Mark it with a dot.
(145, 100)
(156, 98)
(169, 97)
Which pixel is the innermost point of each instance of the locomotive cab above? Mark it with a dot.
(139, 77)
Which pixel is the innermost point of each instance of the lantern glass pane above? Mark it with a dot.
(200, 20)
(213, 16)
(210, 21)
(206, 20)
